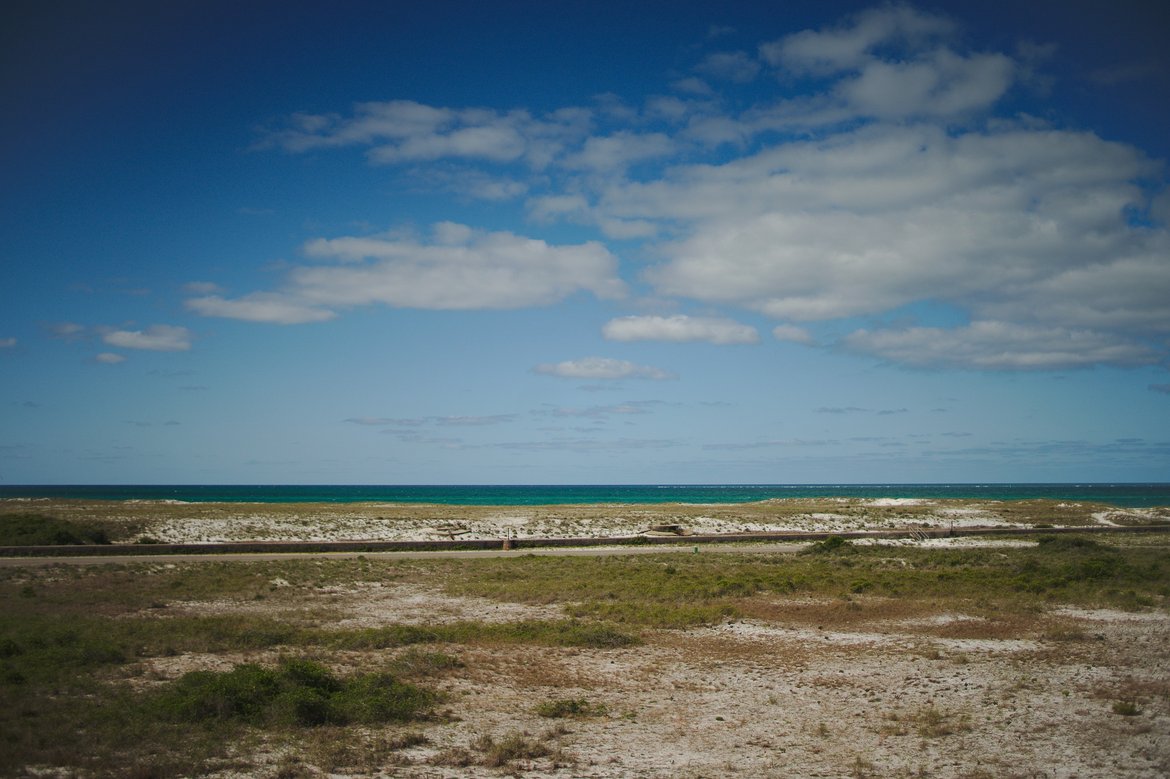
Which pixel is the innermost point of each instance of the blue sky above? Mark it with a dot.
(584, 242)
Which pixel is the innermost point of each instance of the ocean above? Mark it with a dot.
(1128, 495)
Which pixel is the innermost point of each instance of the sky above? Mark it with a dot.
(584, 242)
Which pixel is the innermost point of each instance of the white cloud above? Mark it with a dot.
(201, 288)
(679, 328)
(849, 46)
(109, 358)
(480, 186)
(7, 343)
(157, 338)
(891, 63)
(272, 307)
(370, 122)
(497, 142)
(602, 368)
(620, 150)
(999, 346)
(460, 268)
(939, 84)
(792, 333)
(401, 131)
(550, 207)
(1013, 224)
(887, 182)
(1160, 208)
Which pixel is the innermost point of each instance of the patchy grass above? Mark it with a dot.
(71, 639)
(679, 590)
(565, 632)
(570, 707)
(1126, 708)
(926, 722)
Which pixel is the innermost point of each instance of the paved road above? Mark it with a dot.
(252, 557)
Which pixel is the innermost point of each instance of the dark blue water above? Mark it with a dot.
(1131, 495)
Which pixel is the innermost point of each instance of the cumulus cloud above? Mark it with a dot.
(273, 307)
(594, 368)
(1011, 224)
(458, 268)
(850, 45)
(156, 338)
(620, 150)
(885, 182)
(679, 328)
(109, 358)
(7, 343)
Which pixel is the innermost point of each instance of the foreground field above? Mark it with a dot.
(1046, 659)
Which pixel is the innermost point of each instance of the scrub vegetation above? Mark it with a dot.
(29, 529)
(265, 662)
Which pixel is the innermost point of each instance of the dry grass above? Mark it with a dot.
(974, 669)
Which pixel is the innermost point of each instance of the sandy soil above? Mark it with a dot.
(863, 688)
(177, 522)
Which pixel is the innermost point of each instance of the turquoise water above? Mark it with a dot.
(1130, 495)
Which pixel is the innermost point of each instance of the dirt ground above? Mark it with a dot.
(860, 688)
(854, 687)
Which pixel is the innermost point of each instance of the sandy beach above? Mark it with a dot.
(179, 522)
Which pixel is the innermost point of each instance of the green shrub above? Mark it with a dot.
(570, 707)
(416, 662)
(515, 746)
(27, 529)
(1053, 543)
(296, 693)
(830, 545)
(1126, 708)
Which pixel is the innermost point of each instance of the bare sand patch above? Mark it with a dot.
(937, 693)
(177, 522)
